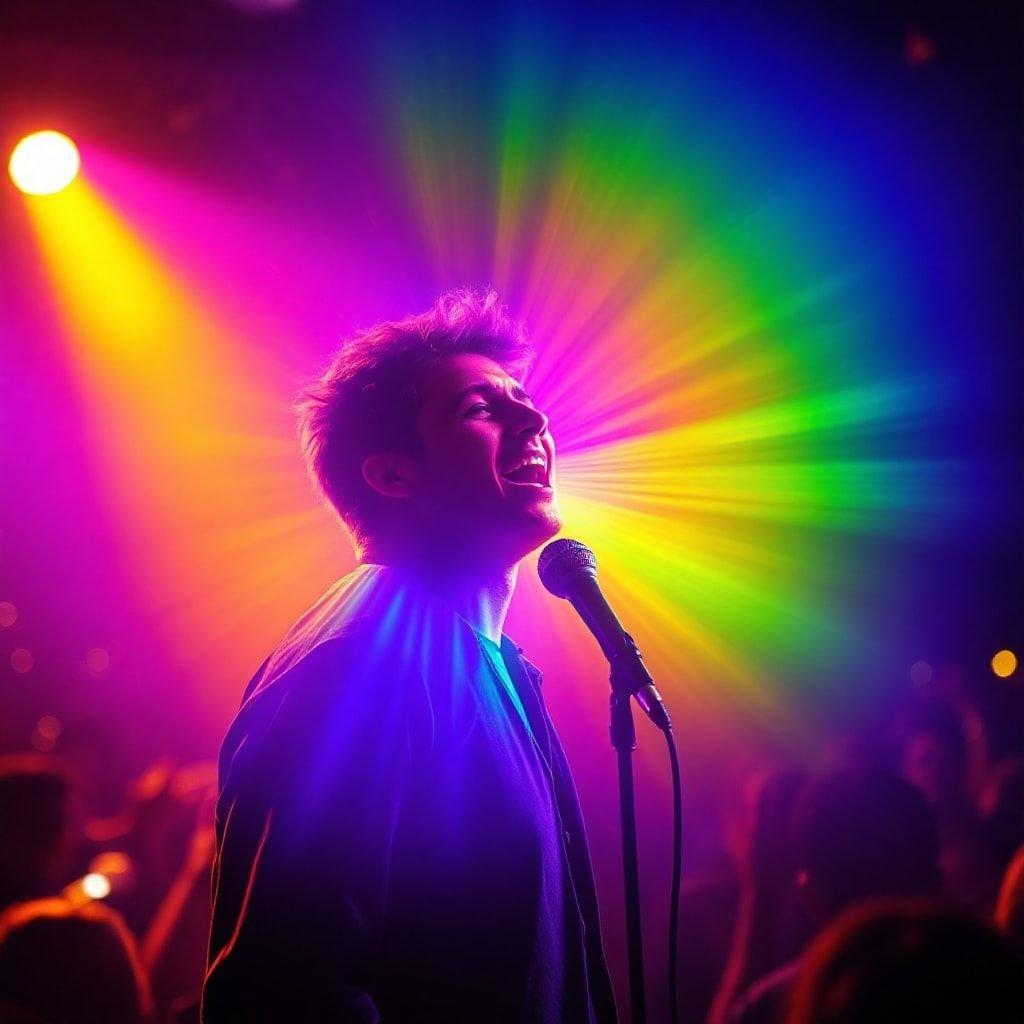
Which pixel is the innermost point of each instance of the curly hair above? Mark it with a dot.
(368, 399)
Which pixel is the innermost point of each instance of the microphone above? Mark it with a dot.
(568, 569)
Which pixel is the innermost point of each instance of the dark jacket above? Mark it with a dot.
(393, 840)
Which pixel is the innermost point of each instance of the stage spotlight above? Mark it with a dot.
(96, 886)
(1004, 664)
(109, 873)
(44, 163)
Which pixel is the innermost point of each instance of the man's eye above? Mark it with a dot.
(479, 407)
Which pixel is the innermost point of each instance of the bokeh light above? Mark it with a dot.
(49, 726)
(921, 673)
(42, 743)
(97, 661)
(21, 660)
(44, 163)
(8, 614)
(112, 864)
(96, 886)
(1004, 663)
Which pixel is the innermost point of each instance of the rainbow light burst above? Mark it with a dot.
(730, 339)
(731, 342)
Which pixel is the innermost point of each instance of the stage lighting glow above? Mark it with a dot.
(731, 365)
(44, 163)
(97, 661)
(111, 864)
(1004, 664)
(921, 673)
(96, 886)
(41, 743)
(49, 727)
(22, 660)
(8, 614)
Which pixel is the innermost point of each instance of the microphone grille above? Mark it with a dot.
(562, 560)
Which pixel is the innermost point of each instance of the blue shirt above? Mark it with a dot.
(492, 652)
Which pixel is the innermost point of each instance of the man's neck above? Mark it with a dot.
(484, 602)
(480, 595)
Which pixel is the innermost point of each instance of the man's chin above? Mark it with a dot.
(508, 534)
(545, 522)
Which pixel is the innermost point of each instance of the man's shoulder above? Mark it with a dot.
(290, 665)
(287, 692)
(372, 610)
(336, 640)
(343, 614)
(342, 692)
(377, 639)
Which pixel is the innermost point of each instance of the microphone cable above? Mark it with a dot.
(677, 870)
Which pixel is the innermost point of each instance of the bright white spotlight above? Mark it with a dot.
(95, 886)
(44, 163)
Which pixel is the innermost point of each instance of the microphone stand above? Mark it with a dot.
(623, 735)
(568, 570)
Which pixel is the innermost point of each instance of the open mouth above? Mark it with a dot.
(532, 471)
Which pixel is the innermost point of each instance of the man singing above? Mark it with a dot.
(398, 833)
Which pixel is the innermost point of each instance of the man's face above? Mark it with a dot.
(485, 478)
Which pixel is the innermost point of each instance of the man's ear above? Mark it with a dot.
(389, 474)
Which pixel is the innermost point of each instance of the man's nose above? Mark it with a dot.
(529, 422)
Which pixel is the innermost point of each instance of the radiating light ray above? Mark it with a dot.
(727, 354)
(718, 584)
(192, 462)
